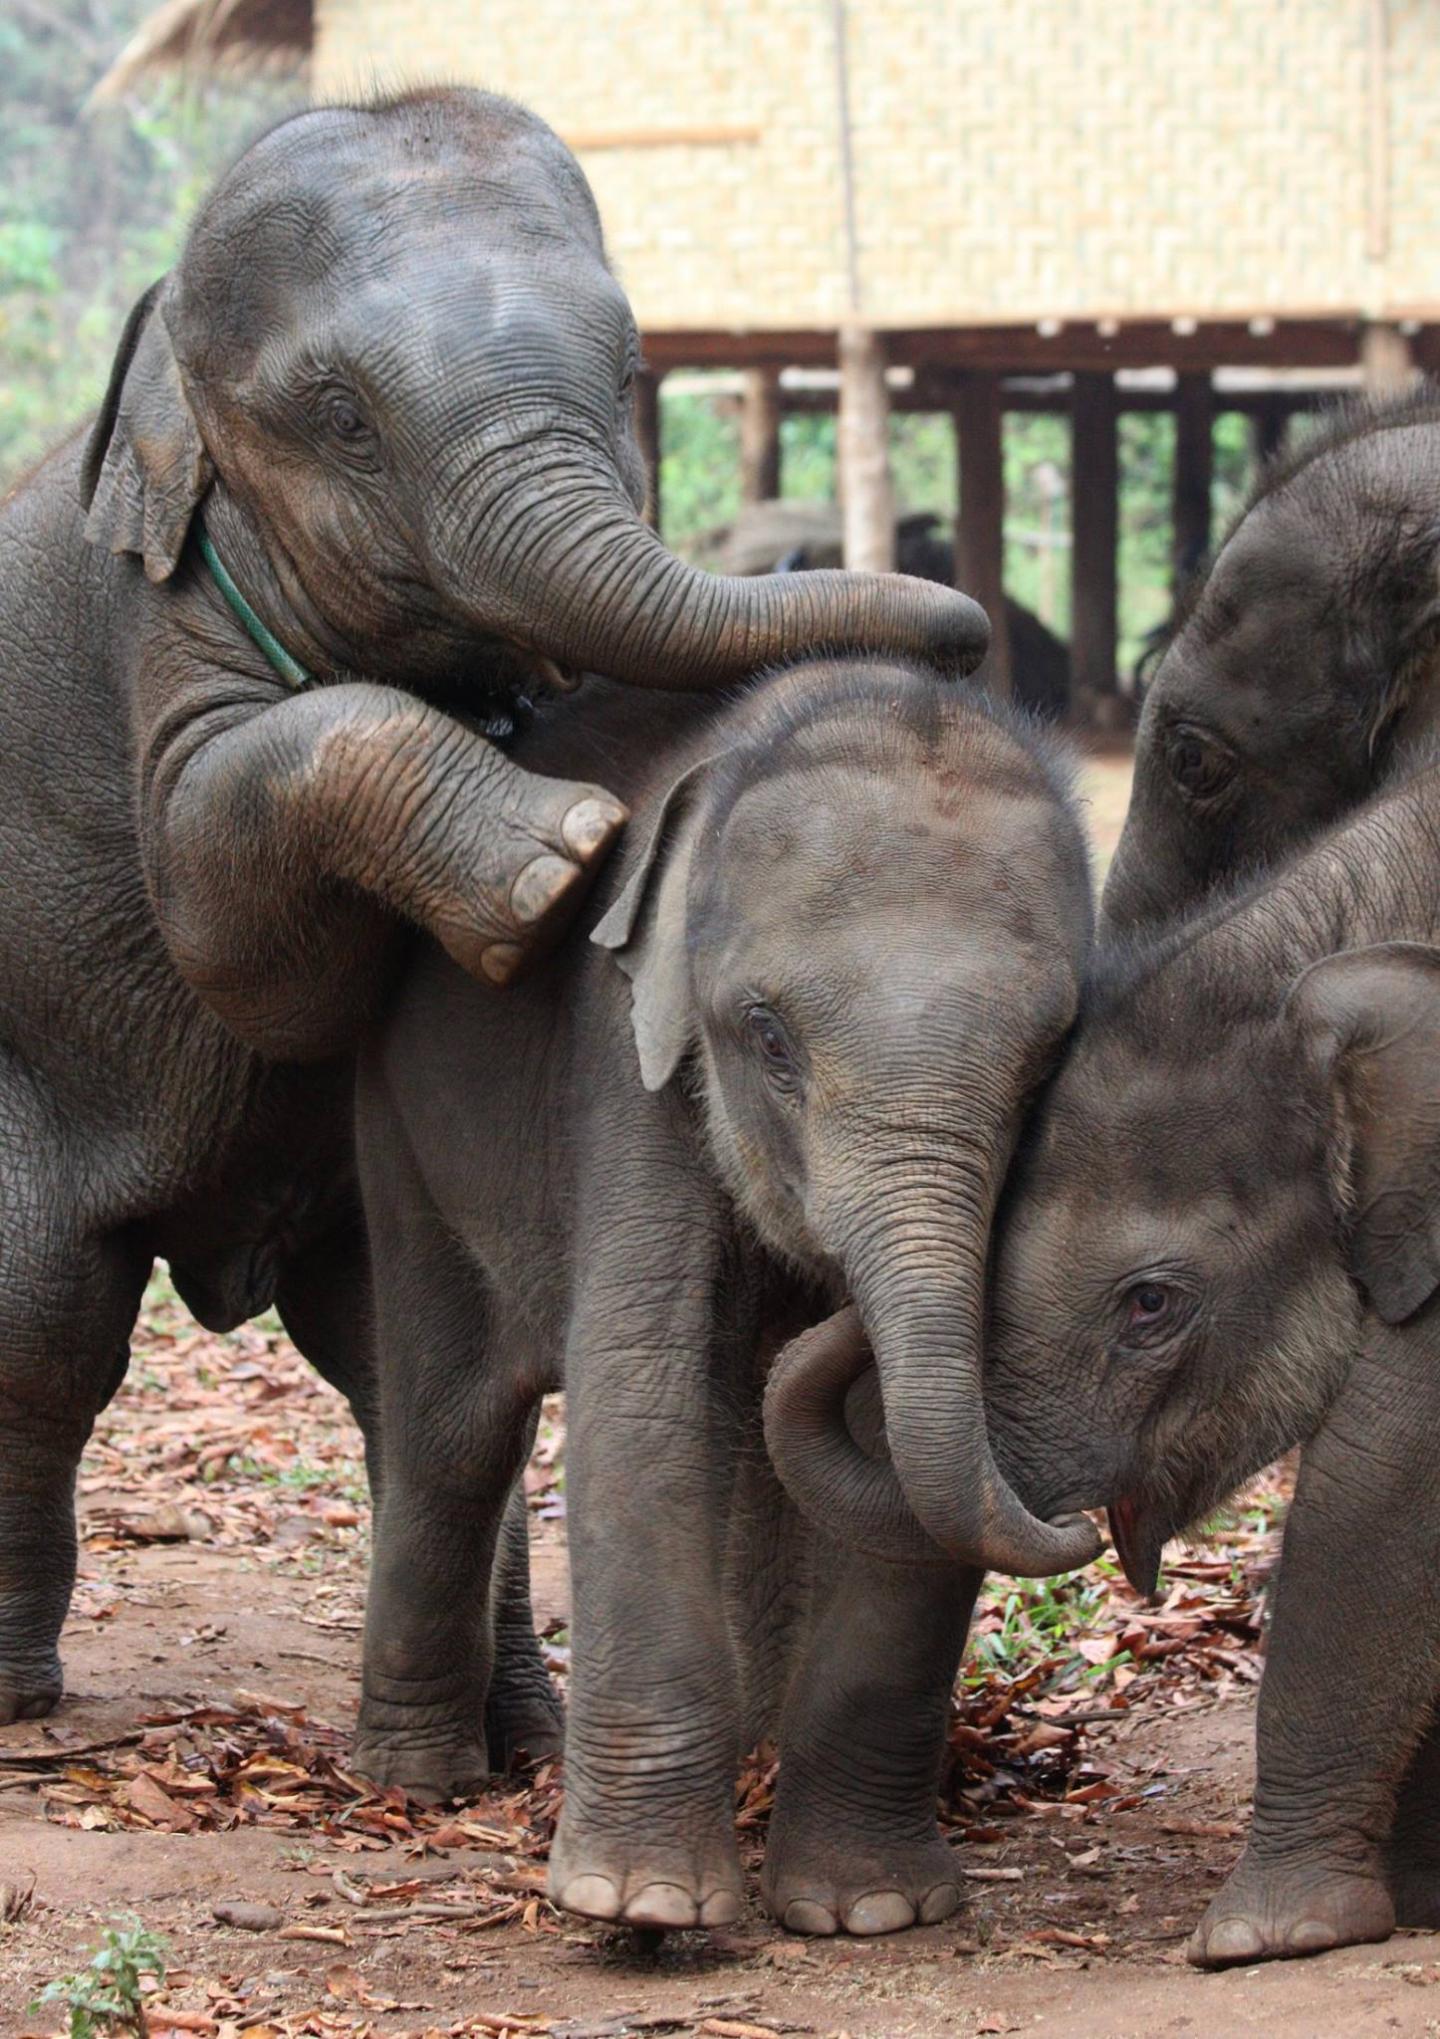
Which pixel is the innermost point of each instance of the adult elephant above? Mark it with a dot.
(376, 422)
(1304, 667)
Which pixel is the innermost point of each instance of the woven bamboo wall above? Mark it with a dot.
(1014, 159)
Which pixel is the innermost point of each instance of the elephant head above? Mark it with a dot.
(1296, 668)
(396, 368)
(1219, 1181)
(861, 921)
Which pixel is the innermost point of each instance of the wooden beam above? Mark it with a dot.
(760, 409)
(1012, 349)
(647, 436)
(867, 495)
(980, 525)
(1094, 540)
(1194, 471)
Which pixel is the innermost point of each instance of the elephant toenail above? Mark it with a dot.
(1230, 1940)
(880, 1911)
(501, 960)
(721, 1908)
(1311, 1936)
(539, 885)
(938, 1903)
(661, 1904)
(589, 824)
(594, 1897)
(804, 1915)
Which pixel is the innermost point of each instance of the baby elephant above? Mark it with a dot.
(1224, 1239)
(849, 931)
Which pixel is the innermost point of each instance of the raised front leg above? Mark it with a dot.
(647, 1833)
(1353, 1668)
(854, 1845)
(279, 841)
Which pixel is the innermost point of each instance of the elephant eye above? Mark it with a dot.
(345, 418)
(773, 1044)
(1152, 1310)
(1198, 764)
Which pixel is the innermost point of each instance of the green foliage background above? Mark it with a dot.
(94, 206)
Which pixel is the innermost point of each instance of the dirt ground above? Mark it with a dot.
(1096, 1792)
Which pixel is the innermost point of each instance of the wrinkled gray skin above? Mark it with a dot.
(392, 366)
(1305, 671)
(849, 930)
(1222, 1239)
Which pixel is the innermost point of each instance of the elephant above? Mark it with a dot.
(1302, 670)
(363, 473)
(1221, 1239)
(843, 946)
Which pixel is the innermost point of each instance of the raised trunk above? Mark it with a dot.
(586, 584)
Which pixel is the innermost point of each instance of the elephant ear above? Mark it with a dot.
(146, 466)
(1375, 1015)
(646, 927)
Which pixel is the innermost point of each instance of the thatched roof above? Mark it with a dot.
(242, 36)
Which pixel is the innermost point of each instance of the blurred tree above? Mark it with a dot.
(92, 206)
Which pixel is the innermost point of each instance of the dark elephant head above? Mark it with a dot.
(394, 355)
(1216, 1185)
(1306, 656)
(862, 920)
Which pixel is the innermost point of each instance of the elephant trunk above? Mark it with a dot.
(916, 1271)
(586, 584)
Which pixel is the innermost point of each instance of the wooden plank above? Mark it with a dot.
(1387, 360)
(586, 140)
(980, 525)
(1194, 472)
(760, 411)
(867, 496)
(1094, 542)
(1023, 349)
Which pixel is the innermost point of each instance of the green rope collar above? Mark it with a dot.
(290, 669)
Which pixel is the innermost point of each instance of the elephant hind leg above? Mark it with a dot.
(524, 1720)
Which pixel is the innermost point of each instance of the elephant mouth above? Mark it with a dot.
(1139, 1541)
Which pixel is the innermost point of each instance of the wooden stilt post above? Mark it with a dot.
(1387, 360)
(1094, 542)
(760, 436)
(980, 525)
(647, 434)
(1194, 469)
(1270, 424)
(867, 496)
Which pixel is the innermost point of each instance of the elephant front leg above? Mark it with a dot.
(854, 1845)
(647, 1833)
(275, 841)
(1350, 1680)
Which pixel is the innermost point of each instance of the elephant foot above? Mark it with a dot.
(544, 863)
(524, 1724)
(830, 1882)
(645, 1883)
(1276, 1913)
(453, 1766)
(30, 1695)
